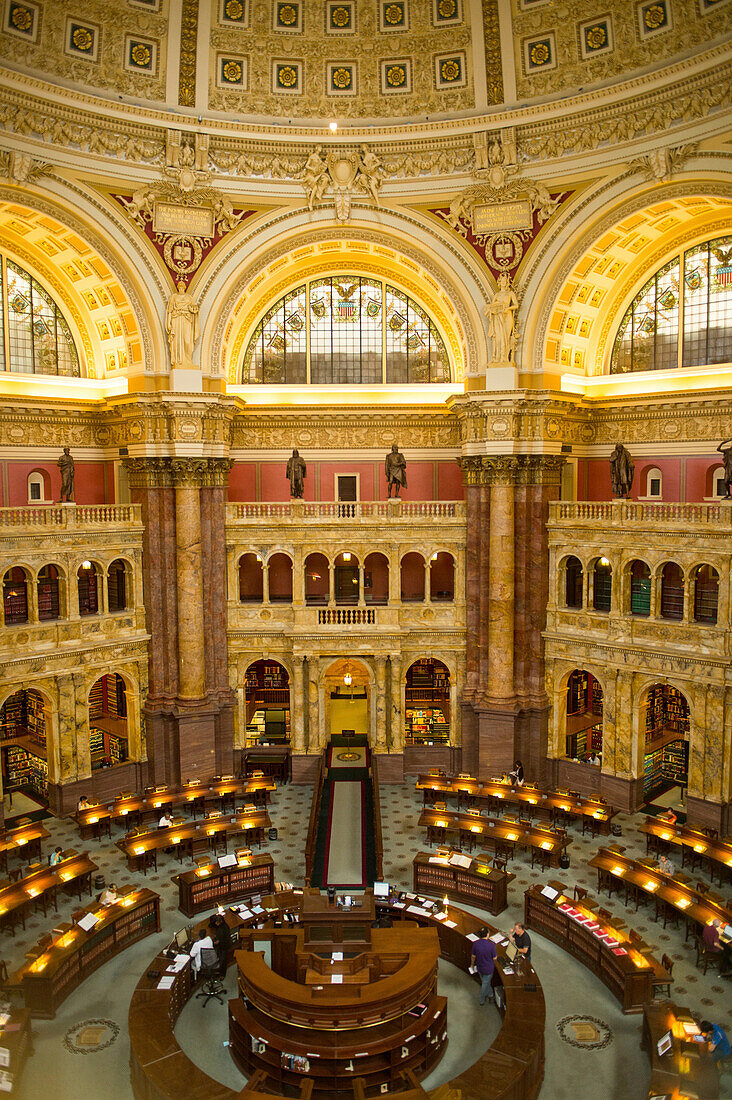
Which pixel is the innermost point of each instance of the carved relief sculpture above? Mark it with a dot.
(66, 466)
(181, 325)
(343, 173)
(502, 321)
(621, 471)
(395, 468)
(296, 472)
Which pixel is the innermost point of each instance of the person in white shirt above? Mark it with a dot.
(203, 941)
(110, 895)
(166, 820)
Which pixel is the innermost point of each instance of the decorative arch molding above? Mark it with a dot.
(126, 261)
(395, 245)
(628, 197)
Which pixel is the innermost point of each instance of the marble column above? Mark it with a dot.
(297, 724)
(380, 665)
(501, 593)
(314, 732)
(396, 724)
(191, 661)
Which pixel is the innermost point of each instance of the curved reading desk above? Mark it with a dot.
(513, 1067)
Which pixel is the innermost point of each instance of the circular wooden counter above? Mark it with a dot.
(512, 1067)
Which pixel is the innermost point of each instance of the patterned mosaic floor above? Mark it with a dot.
(571, 993)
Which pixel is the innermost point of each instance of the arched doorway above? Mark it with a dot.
(15, 596)
(584, 717)
(267, 703)
(347, 697)
(665, 720)
(24, 722)
(108, 728)
(427, 709)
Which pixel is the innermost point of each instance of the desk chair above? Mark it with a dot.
(197, 806)
(3, 972)
(212, 987)
(499, 864)
(705, 955)
(541, 856)
(592, 824)
(660, 984)
(149, 858)
(668, 911)
(579, 893)
(505, 849)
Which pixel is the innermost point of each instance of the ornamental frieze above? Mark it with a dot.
(345, 431)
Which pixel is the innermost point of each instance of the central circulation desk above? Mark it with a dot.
(511, 1069)
(373, 1014)
(211, 885)
(615, 871)
(469, 791)
(478, 884)
(493, 830)
(64, 963)
(627, 971)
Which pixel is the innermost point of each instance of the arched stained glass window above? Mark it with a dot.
(651, 335)
(35, 337)
(345, 330)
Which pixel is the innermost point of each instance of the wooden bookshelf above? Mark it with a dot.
(206, 887)
(480, 884)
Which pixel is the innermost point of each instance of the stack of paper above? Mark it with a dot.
(166, 982)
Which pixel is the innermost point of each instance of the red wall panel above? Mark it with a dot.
(449, 481)
(89, 482)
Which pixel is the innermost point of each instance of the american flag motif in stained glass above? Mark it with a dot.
(345, 329)
(680, 322)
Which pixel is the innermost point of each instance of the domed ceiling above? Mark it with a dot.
(268, 60)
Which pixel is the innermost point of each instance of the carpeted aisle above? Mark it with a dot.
(345, 863)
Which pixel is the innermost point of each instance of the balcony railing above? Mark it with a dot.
(346, 616)
(324, 511)
(71, 516)
(622, 513)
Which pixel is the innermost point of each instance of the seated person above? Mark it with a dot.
(521, 940)
(55, 857)
(517, 775)
(166, 820)
(669, 816)
(594, 759)
(713, 943)
(82, 804)
(110, 895)
(716, 1037)
(203, 941)
(666, 866)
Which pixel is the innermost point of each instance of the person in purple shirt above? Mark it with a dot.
(484, 960)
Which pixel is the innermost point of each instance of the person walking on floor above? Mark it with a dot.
(484, 960)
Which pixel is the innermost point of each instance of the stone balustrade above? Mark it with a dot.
(624, 513)
(297, 512)
(79, 517)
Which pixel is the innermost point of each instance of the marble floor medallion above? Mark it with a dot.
(90, 1036)
(585, 1032)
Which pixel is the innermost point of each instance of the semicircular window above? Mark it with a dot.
(680, 321)
(35, 337)
(345, 330)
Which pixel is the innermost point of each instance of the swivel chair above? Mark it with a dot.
(212, 987)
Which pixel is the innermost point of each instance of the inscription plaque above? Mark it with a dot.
(497, 217)
(170, 217)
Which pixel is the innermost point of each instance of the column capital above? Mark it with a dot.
(512, 469)
(167, 472)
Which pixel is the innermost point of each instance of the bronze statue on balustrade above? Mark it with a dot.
(66, 465)
(621, 471)
(395, 468)
(296, 472)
